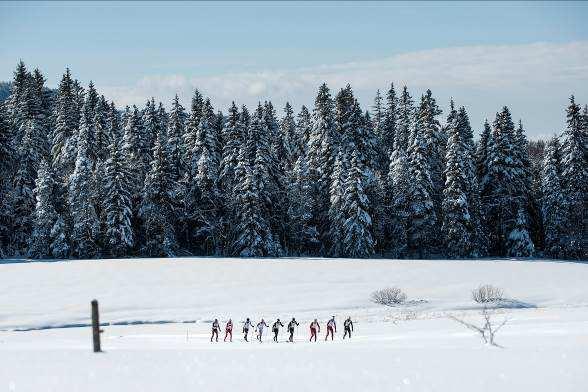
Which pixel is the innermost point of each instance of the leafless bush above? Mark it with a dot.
(389, 296)
(486, 294)
(486, 331)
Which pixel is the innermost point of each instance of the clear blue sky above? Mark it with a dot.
(256, 50)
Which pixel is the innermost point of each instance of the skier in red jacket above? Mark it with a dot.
(314, 328)
(229, 330)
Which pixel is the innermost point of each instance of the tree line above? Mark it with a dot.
(80, 178)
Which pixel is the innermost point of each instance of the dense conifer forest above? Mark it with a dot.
(83, 178)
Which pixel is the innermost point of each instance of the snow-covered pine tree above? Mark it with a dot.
(176, 128)
(65, 127)
(378, 112)
(482, 152)
(157, 206)
(303, 235)
(472, 184)
(553, 203)
(251, 235)
(397, 193)
(303, 130)
(31, 150)
(277, 162)
(575, 180)
(132, 149)
(85, 223)
(357, 230)
(7, 164)
(519, 242)
(151, 128)
(102, 137)
(192, 123)
(290, 137)
(435, 140)
(234, 136)
(117, 207)
(503, 190)
(387, 129)
(45, 215)
(15, 103)
(336, 212)
(322, 151)
(421, 216)
(204, 168)
(457, 225)
(405, 120)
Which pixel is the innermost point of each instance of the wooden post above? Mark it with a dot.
(96, 327)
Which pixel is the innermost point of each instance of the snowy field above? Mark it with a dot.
(160, 314)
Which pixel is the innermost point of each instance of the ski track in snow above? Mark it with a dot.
(156, 317)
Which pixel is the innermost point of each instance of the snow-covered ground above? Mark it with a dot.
(160, 313)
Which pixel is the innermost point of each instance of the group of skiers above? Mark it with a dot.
(259, 328)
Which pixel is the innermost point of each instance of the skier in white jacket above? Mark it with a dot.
(246, 327)
(259, 328)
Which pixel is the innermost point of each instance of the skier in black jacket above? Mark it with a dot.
(276, 329)
(291, 325)
(348, 326)
(215, 329)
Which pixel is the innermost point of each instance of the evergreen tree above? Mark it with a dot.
(519, 242)
(204, 168)
(65, 127)
(85, 223)
(45, 215)
(176, 127)
(387, 129)
(336, 212)
(357, 241)
(421, 215)
(482, 152)
(457, 224)
(290, 137)
(303, 131)
(503, 189)
(553, 206)
(405, 120)
(191, 135)
(575, 180)
(304, 236)
(322, 151)
(157, 207)
(117, 205)
(399, 185)
(7, 164)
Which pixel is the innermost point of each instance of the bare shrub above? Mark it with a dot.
(389, 296)
(488, 330)
(487, 294)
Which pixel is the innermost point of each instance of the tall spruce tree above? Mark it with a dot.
(40, 245)
(575, 180)
(322, 151)
(117, 204)
(421, 215)
(553, 203)
(157, 206)
(85, 223)
(357, 238)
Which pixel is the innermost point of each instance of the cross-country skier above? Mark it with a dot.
(314, 328)
(348, 326)
(259, 328)
(248, 324)
(330, 327)
(215, 329)
(276, 329)
(229, 330)
(291, 325)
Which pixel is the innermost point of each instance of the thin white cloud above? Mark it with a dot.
(474, 71)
